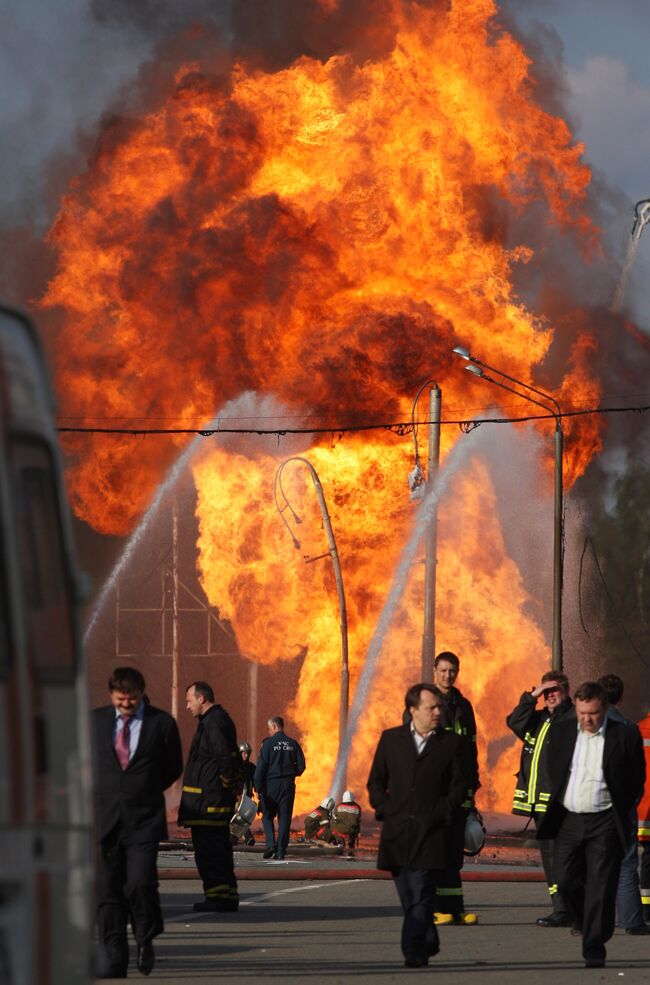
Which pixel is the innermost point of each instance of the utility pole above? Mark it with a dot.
(431, 542)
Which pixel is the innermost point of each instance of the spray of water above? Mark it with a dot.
(248, 410)
(136, 537)
(458, 456)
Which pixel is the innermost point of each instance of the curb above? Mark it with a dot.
(304, 875)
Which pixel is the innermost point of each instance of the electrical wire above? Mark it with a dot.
(399, 427)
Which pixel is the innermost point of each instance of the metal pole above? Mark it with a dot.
(557, 552)
(344, 692)
(344, 697)
(430, 562)
(175, 610)
(558, 560)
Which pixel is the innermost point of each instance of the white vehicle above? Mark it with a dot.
(45, 813)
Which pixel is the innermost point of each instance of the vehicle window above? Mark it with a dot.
(42, 557)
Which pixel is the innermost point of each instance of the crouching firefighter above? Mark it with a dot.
(346, 820)
(212, 784)
(532, 792)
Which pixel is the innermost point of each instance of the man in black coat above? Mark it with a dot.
(417, 784)
(136, 756)
(212, 784)
(597, 774)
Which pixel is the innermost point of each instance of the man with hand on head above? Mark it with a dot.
(136, 756)
(417, 784)
(532, 725)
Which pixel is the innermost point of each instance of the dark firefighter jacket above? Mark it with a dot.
(212, 781)
(458, 716)
(531, 725)
(317, 823)
(418, 797)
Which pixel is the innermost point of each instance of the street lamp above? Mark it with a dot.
(336, 563)
(477, 367)
(419, 487)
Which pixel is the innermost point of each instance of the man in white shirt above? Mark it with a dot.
(597, 773)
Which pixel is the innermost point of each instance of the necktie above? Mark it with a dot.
(122, 742)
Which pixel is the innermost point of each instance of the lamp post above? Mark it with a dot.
(333, 553)
(420, 486)
(477, 367)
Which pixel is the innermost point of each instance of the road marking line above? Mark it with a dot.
(298, 889)
(190, 917)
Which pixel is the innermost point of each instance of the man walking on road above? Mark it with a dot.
(532, 726)
(417, 784)
(136, 756)
(212, 783)
(280, 761)
(597, 772)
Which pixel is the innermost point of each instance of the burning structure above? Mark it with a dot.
(317, 231)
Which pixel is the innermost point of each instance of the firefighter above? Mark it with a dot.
(346, 820)
(248, 773)
(249, 768)
(532, 792)
(318, 823)
(457, 716)
(212, 784)
(643, 812)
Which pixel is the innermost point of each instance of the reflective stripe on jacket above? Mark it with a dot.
(532, 789)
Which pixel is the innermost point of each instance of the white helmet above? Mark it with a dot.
(474, 833)
(348, 797)
(328, 803)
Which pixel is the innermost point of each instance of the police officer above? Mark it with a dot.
(280, 761)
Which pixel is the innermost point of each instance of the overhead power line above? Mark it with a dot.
(398, 427)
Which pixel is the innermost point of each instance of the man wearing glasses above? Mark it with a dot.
(532, 725)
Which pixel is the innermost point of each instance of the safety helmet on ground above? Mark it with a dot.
(474, 833)
(328, 803)
(348, 797)
(244, 747)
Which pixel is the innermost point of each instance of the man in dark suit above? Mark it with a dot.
(597, 773)
(136, 756)
(417, 783)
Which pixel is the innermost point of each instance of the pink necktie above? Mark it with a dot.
(122, 742)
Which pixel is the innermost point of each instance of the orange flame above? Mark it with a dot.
(324, 233)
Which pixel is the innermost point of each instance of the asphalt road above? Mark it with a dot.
(336, 930)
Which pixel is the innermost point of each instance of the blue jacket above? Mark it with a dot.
(280, 758)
